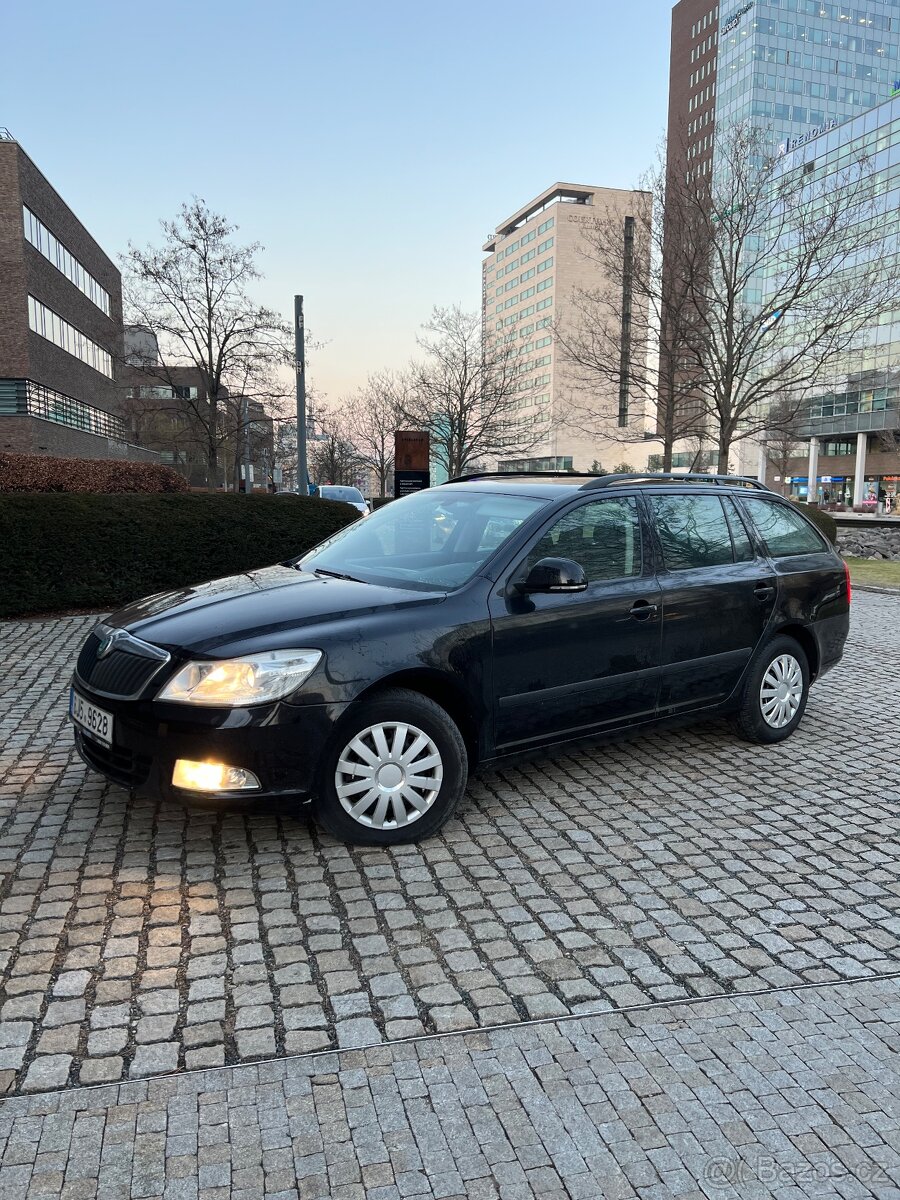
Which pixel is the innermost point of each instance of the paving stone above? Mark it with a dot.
(591, 876)
(48, 1072)
(154, 1059)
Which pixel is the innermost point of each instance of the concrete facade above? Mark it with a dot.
(536, 261)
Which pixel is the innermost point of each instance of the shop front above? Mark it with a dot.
(880, 492)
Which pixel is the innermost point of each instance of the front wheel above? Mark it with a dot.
(775, 693)
(395, 772)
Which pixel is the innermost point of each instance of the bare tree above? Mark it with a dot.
(622, 341)
(790, 279)
(191, 293)
(471, 393)
(372, 418)
(332, 457)
(782, 442)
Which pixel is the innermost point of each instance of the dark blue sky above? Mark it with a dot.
(370, 147)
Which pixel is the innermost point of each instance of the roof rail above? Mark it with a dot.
(523, 475)
(615, 480)
(596, 480)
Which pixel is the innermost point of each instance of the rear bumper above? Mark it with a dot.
(831, 635)
(282, 744)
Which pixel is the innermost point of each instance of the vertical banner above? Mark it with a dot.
(411, 463)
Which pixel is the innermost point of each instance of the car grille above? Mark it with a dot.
(121, 673)
(122, 766)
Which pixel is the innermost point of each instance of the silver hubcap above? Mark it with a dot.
(781, 691)
(388, 775)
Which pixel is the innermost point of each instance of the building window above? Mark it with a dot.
(544, 284)
(50, 325)
(55, 252)
(545, 245)
(553, 463)
(24, 398)
(545, 225)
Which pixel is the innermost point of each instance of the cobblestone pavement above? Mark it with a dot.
(790, 1094)
(140, 938)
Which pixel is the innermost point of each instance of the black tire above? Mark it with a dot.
(395, 707)
(749, 721)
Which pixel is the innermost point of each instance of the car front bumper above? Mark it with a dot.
(282, 744)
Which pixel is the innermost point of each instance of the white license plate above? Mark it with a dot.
(94, 721)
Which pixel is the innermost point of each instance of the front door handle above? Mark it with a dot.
(641, 610)
(764, 591)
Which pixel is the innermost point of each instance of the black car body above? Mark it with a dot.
(661, 600)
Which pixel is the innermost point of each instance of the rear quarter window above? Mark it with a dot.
(784, 531)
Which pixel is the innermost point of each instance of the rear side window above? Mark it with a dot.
(743, 547)
(693, 531)
(784, 531)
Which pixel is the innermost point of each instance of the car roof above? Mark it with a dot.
(545, 485)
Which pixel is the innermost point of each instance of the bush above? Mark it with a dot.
(822, 520)
(43, 473)
(82, 551)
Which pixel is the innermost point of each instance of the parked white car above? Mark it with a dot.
(349, 495)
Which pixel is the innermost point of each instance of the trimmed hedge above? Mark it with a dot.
(824, 521)
(44, 473)
(81, 551)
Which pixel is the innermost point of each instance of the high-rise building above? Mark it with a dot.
(60, 324)
(792, 67)
(850, 448)
(799, 66)
(535, 261)
(692, 85)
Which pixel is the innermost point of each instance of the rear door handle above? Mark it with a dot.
(764, 591)
(642, 609)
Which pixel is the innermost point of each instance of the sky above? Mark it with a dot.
(371, 148)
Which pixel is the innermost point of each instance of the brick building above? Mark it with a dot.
(60, 324)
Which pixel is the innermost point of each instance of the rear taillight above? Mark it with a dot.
(849, 587)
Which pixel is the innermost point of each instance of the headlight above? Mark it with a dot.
(234, 682)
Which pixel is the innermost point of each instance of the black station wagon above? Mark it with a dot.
(479, 619)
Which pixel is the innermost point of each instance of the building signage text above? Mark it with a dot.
(793, 143)
(735, 20)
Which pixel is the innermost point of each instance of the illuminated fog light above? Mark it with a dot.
(211, 777)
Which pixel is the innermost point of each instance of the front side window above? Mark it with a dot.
(431, 541)
(693, 531)
(603, 537)
(784, 531)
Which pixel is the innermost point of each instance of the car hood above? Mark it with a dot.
(259, 608)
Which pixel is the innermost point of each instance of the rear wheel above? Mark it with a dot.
(395, 772)
(775, 693)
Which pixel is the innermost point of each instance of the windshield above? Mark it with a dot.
(348, 494)
(431, 541)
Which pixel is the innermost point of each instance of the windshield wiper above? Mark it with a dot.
(336, 575)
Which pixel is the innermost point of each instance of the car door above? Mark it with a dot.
(718, 595)
(564, 664)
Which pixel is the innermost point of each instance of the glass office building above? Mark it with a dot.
(801, 70)
(795, 67)
(853, 422)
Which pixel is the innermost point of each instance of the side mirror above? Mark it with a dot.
(553, 575)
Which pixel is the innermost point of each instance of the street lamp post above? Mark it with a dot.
(302, 474)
